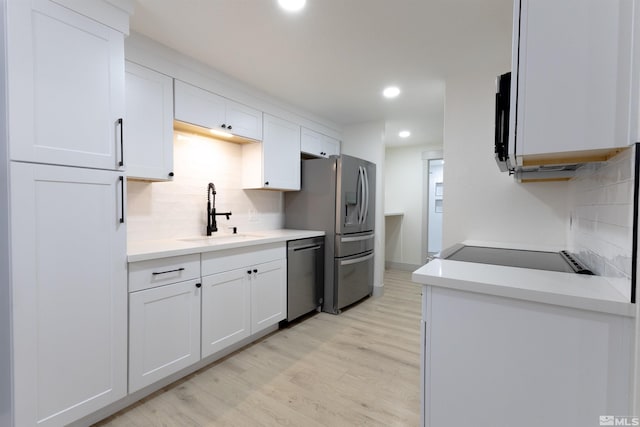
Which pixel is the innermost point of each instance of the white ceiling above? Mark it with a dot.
(334, 58)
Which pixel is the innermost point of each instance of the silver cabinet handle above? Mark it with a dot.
(356, 260)
(357, 239)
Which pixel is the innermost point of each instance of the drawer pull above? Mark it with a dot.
(155, 273)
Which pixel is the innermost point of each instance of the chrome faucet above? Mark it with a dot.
(212, 225)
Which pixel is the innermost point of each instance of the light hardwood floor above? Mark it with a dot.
(360, 368)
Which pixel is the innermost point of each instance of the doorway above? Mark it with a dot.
(433, 205)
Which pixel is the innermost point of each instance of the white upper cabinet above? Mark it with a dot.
(318, 145)
(68, 252)
(243, 121)
(203, 108)
(148, 129)
(66, 86)
(576, 81)
(274, 163)
(331, 146)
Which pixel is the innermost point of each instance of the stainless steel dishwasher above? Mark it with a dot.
(305, 276)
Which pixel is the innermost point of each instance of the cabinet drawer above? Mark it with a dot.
(163, 271)
(219, 261)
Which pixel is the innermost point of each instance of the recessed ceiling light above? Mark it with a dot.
(404, 134)
(292, 5)
(391, 92)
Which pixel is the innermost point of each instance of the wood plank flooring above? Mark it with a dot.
(360, 368)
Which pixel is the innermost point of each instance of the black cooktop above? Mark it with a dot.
(551, 261)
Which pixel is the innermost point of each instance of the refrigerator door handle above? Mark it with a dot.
(362, 193)
(366, 199)
(357, 260)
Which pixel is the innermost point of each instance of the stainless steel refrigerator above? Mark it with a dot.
(338, 196)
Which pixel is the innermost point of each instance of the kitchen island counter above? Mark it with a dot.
(580, 291)
(518, 346)
(594, 293)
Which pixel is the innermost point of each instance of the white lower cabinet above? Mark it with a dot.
(164, 331)
(226, 310)
(268, 294)
(254, 280)
(242, 302)
(69, 293)
(176, 319)
(492, 361)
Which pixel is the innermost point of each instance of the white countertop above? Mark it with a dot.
(151, 249)
(580, 291)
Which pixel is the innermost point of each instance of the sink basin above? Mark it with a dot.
(220, 239)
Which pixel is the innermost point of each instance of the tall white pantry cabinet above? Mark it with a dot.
(63, 326)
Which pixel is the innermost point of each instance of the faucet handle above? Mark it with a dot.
(235, 229)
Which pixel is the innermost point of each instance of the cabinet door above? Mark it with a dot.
(66, 74)
(574, 75)
(164, 332)
(330, 146)
(268, 294)
(243, 121)
(69, 292)
(311, 142)
(149, 123)
(317, 144)
(198, 106)
(226, 312)
(281, 154)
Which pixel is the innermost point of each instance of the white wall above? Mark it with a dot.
(482, 203)
(404, 193)
(366, 141)
(164, 210)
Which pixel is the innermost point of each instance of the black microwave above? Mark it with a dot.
(503, 106)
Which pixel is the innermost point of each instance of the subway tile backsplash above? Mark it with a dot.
(601, 223)
(165, 210)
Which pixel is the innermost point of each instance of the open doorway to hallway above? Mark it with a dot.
(434, 199)
(432, 203)
(406, 204)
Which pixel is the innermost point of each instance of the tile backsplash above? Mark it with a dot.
(601, 222)
(164, 210)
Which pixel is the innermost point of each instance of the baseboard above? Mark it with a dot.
(378, 291)
(389, 265)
